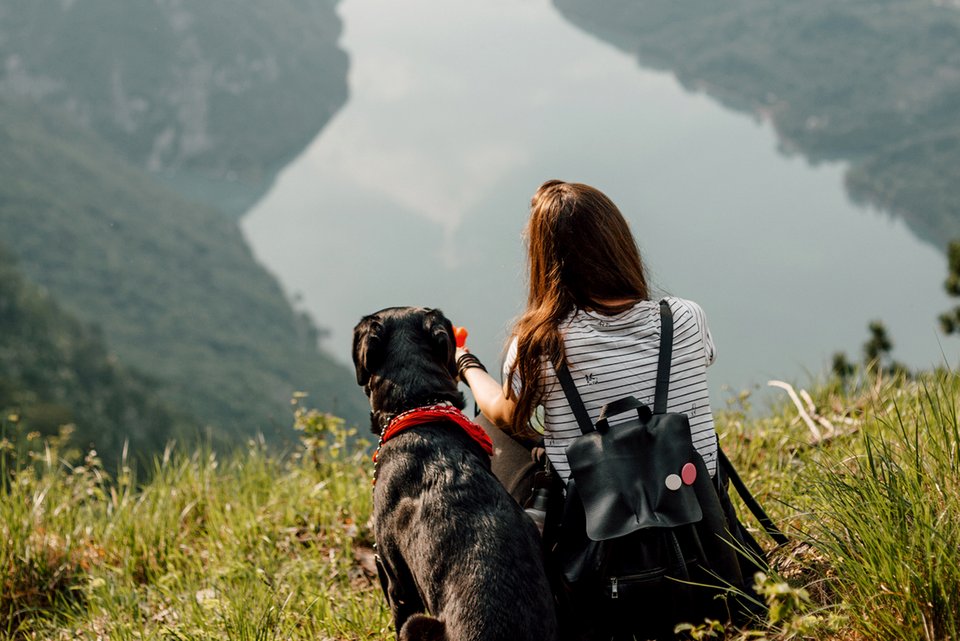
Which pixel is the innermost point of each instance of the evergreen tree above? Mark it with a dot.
(950, 321)
(879, 345)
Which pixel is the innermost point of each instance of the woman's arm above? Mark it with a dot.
(491, 398)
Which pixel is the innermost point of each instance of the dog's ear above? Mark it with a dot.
(444, 345)
(367, 347)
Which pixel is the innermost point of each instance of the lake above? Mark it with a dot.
(416, 193)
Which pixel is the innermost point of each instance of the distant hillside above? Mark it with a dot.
(214, 96)
(873, 83)
(173, 285)
(54, 370)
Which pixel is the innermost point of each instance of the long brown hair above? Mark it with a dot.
(581, 254)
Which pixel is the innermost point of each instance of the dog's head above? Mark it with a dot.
(406, 357)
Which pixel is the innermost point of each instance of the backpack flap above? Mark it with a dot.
(638, 474)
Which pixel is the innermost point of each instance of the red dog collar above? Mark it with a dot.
(420, 415)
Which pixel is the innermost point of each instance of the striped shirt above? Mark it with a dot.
(615, 356)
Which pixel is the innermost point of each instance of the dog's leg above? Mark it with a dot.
(404, 602)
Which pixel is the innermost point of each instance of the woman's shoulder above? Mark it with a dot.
(689, 316)
(678, 305)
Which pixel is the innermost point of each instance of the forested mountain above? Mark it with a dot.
(128, 130)
(213, 96)
(876, 83)
(54, 371)
(172, 284)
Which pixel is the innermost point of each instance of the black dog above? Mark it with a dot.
(451, 541)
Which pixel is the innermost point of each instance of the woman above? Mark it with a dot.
(588, 307)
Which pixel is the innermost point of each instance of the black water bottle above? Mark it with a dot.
(537, 507)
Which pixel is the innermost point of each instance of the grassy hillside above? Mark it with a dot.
(246, 547)
(172, 284)
(873, 83)
(214, 97)
(255, 547)
(56, 371)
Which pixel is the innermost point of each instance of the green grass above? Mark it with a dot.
(901, 557)
(260, 546)
(248, 547)
(874, 509)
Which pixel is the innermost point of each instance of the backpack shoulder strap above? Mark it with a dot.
(663, 375)
(573, 398)
(666, 354)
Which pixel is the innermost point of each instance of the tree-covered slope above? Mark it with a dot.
(173, 284)
(56, 371)
(873, 83)
(214, 96)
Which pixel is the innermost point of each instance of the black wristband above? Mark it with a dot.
(468, 361)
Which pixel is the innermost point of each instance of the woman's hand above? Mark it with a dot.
(491, 398)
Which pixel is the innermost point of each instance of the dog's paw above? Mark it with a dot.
(421, 627)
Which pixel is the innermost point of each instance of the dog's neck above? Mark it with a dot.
(380, 418)
(444, 412)
(380, 421)
(388, 400)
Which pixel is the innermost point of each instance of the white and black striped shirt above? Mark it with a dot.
(615, 356)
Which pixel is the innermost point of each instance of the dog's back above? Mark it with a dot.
(474, 557)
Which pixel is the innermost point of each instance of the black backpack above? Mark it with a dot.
(646, 539)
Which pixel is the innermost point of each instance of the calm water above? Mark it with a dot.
(417, 192)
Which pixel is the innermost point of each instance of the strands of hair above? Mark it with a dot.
(581, 255)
